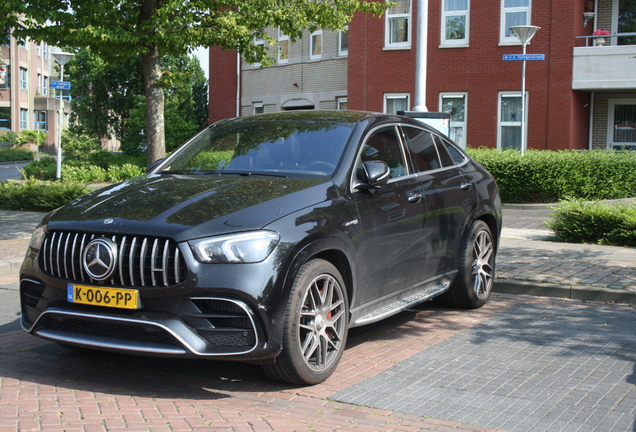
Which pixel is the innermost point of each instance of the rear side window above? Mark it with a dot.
(422, 149)
(455, 157)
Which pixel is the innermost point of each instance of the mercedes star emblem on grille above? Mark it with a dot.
(100, 258)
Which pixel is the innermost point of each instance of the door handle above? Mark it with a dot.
(414, 197)
(466, 186)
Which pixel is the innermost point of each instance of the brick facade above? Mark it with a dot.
(557, 116)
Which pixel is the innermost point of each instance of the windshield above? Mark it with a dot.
(269, 146)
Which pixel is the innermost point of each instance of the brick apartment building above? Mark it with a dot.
(583, 95)
(26, 100)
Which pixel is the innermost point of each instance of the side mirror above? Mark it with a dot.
(377, 174)
(154, 165)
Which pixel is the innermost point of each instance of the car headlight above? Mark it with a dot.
(249, 247)
(38, 236)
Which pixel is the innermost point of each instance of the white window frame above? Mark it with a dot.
(315, 36)
(393, 16)
(611, 104)
(342, 102)
(258, 106)
(512, 39)
(455, 13)
(39, 88)
(45, 85)
(500, 124)
(283, 39)
(342, 52)
(461, 140)
(24, 78)
(24, 119)
(45, 50)
(394, 96)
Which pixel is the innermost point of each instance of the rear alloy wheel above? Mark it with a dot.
(316, 325)
(473, 285)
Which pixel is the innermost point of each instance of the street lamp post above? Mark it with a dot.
(61, 58)
(524, 33)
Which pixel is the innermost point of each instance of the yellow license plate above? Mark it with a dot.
(100, 296)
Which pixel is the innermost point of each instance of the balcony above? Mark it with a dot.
(604, 68)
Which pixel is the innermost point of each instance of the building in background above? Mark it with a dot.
(583, 95)
(26, 99)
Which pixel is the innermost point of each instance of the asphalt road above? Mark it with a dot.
(9, 170)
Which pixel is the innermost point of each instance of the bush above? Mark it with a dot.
(576, 221)
(78, 147)
(12, 155)
(550, 176)
(37, 196)
(9, 137)
(43, 169)
(30, 137)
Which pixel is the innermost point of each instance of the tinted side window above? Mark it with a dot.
(450, 155)
(422, 149)
(457, 156)
(384, 145)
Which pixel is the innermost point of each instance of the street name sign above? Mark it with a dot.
(60, 85)
(524, 56)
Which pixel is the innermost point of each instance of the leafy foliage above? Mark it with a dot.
(108, 100)
(576, 221)
(118, 29)
(12, 155)
(33, 195)
(550, 176)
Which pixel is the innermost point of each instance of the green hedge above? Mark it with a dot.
(551, 176)
(33, 195)
(100, 166)
(15, 154)
(576, 221)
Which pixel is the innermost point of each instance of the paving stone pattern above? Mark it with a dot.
(535, 367)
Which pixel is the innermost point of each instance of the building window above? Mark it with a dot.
(621, 127)
(513, 13)
(455, 22)
(45, 85)
(509, 121)
(342, 104)
(316, 45)
(39, 90)
(624, 21)
(394, 102)
(24, 80)
(283, 47)
(259, 108)
(455, 104)
(5, 117)
(343, 42)
(24, 119)
(398, 25)
(39, 121)
(45, 50)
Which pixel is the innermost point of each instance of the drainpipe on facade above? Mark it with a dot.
(421, 51)
(238, 83)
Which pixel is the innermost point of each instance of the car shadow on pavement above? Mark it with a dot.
(43, 362)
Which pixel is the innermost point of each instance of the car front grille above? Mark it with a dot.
(143, 261)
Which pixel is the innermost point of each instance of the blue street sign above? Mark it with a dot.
(524, 56)
(60, 85)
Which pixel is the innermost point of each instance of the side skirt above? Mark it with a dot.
(401, 300)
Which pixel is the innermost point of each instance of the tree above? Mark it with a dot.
(118, 29)
(108, 100)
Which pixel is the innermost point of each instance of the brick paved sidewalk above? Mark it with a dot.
(44, 387)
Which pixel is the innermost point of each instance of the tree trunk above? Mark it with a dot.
(155, 130)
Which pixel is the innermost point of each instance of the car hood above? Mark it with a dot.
(185, 207)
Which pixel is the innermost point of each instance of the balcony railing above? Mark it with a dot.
(612, 37)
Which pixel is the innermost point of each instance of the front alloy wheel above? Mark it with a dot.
(316, 325)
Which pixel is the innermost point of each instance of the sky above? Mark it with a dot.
(202, 54)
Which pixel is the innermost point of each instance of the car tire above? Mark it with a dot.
(472, 287)
(315, 328)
